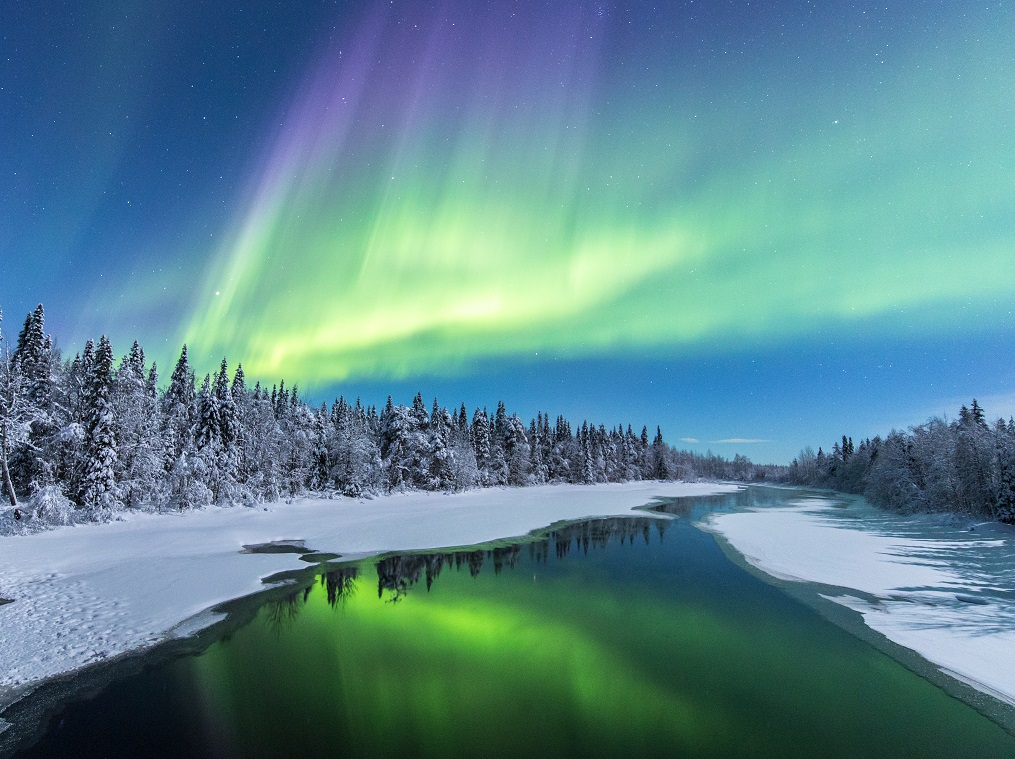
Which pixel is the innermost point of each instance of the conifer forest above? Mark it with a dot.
(82, 438)
(87, 436)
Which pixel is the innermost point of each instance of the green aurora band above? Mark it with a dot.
(440, 193)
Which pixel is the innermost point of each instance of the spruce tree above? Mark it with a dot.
(321, 464)
(239, 386)
(441, 474)
(140, 454)
(12, 409)
(179, 410)
(498, 462)
(33, 353)
(31, 465)
(586, 472)
(517, 452)
(1004, 505)
(481, 445)
(396, 449)
(228, 421)
(660, 466)
(100, 494)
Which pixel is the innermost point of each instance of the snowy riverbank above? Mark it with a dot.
(90, 593)
(941, 590)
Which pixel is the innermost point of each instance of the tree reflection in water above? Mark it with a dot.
(339, 585)
(396, 575)
(400, 573)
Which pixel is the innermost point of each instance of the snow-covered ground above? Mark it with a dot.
(88, 593)
(944, 591)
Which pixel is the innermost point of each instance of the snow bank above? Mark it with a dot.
(943, 592)
(87, 593)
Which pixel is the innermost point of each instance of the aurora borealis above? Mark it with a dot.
(791, 216)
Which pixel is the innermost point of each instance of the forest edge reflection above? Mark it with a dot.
(398, 574)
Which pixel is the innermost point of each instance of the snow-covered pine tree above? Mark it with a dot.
(537, 463)
(337, 441)
(660, 466)
(629, 456)
(645, 456)
(1004, 506)
(149, 471)
(517, 452)
(364, 468)
(598, 445)
(229, 437)
(297, 424)
(223, 393)
(562, 454)
(500, 422)
(198, 476)
(546, 447)
(239, 386)
(208, 432)
(280, 400)
(33, 353)
(179, 411)
(499, 471)
(141, 455)
(265, 449)
(68, 450)
(586, 473)
(100, 495)
(81, 373)
(891, 482)
(481, 446)
(31, 465)
(613, 440)
(360, 463)
(242, 399)
(419, 443)
(216, 436)
(320, 469)
(397, 454)
(973, 454)
(441, 474)
(466, 473)
(13, 411)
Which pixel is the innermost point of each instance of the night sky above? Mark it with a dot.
(758, 224)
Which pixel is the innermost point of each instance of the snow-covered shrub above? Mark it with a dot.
(51, 507)
(48, 507)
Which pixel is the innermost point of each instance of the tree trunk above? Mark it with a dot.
(8, 485)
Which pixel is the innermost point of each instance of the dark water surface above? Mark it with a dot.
(624, 637)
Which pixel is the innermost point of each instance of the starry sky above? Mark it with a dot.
(760, 225)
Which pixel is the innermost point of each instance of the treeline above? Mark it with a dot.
(86, 437)
(966, 465)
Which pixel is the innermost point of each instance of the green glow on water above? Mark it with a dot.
(665, 649)
(467, 645)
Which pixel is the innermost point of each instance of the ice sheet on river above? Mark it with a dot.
(944, 590)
